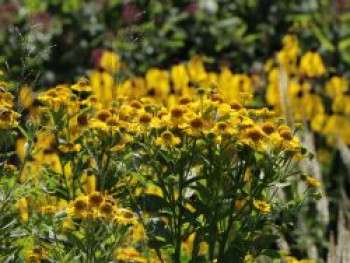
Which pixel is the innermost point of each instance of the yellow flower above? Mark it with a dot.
(95, 199)
(36, 255)
(48, 210)
(167, 139)
(158, 85)
(8, 118)
(311, 65)
(90, 186)
(253, 137)
(268, 128)
(179, 77)
(196, 69)
(336, 86)
(107, 210)
(145, 118)
(312, 182)
(138, 232)
(70, 147)
(102, 85)
(223, 128)
(195, 127)
(177, 116)
(261, 206)
(129, 255)
(32, 258)
(318, 122)
(26, 97)
(290, 259)
(239, 204)
(23, 209)
(79, 207)
(82, 86)
(110, 61)
(273, 88)
(153, 190)
(125, 216)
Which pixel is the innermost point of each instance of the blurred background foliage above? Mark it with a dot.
(54, 41)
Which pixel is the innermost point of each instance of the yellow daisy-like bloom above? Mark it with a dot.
(290, 259)
(95, 199)
(179, 77)
(261, 206)
(82, 86)
(196, 69)
(254, 133)
(125, 216)
(36, 255)
(110, 61)
(312, 182)
(177, 116)
(336, 86)
(129, 255)
(22, 205)
(311, 65)
(33, 258)
(69, 147)
(145, 118)
(268, 128)
(48, 210)
(79, 207)
(8, 118)
(102, 85)
(167, 139)
(195, 127)
(223, 128)
(26, 97)
(253, 136)
(107, 210)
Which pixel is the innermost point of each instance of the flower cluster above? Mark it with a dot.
(305, 90)
(174, 166)
(95, 205)
(8, 117)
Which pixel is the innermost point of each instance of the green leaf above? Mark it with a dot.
(153, 203)
(265, 241)
(271, 253)
(323, 39)
(75, 240)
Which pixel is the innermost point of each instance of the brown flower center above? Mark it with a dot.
(196, 123)
(176, 113)
(286, 134)
(167, 136)
(82, 120)
(103, 115)
(145, 118)
(268, 128)
(106, 208)
(80, 205)
(254, 134)
(184, 101)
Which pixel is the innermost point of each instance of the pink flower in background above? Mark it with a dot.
(96, 56)
(192, 8)
(41, 19)
(9, 8)
(131, 14)
(341, 5)
(7, 13)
